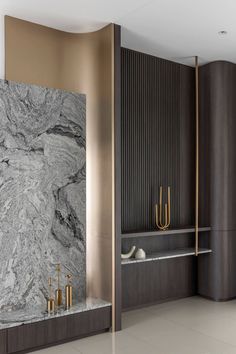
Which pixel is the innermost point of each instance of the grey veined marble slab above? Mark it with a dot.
(42, 192)
(17, 318)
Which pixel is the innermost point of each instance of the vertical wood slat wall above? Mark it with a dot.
(157, 132)
(157, 148)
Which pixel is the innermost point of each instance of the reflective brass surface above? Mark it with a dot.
(68, 293)
(197, 155)
(68, 296)
(58, 297)
(58, 292)
(84, 63)
(50, 305)
(158, 212)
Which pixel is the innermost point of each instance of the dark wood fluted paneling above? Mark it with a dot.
(151, 282)
(204, 146)
(157, 141)
(80, 325)
(160, 243)
(41, 334)
(187, 146)
(158, 148)
(27, 336)
(3, 341)
(216, 273)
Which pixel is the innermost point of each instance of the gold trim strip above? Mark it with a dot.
(197, 155)
(113, 189)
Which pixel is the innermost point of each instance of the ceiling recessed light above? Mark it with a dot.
(222, 33)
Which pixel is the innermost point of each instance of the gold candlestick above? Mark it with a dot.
(58, 293)
(68, 292)
(50, 301)
(158, 212)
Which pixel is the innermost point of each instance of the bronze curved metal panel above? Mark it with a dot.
(83, 63)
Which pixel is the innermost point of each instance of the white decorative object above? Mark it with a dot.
(129, 254)
(140, 254)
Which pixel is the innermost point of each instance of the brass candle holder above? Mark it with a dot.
(68, 292)
(50, 301)
(58, 292)
(159, 212)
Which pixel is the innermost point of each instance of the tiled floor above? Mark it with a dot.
(189, 326)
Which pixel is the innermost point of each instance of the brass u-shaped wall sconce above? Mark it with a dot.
(158, 212)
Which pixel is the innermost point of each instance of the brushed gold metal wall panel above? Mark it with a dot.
(32, 53)
(83, 63)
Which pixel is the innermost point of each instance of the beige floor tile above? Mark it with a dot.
(109, 343)
(174, 338)
(223, 328)
(187, 326)
(59, 349)
(191, 313)
(186, 341)
(135, 317)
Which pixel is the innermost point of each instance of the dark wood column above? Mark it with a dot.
(217, 182)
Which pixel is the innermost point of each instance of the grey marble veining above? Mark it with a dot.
(42, 192)
(17, 318)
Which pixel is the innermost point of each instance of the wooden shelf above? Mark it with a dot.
(185, 230)
(167, 255)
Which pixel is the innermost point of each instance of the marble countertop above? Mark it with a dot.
(20, 317)
(166, 255)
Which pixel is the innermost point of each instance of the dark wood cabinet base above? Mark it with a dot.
(147, 283)
(3, 341)
(31, 350)
(34, 336)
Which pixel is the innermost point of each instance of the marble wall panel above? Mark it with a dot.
(42, 192)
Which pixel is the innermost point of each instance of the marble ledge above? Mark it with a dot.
(185, 252)
(21, 317)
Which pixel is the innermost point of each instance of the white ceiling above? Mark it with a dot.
(172, 29)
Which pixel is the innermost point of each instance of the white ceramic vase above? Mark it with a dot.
(140, 254)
